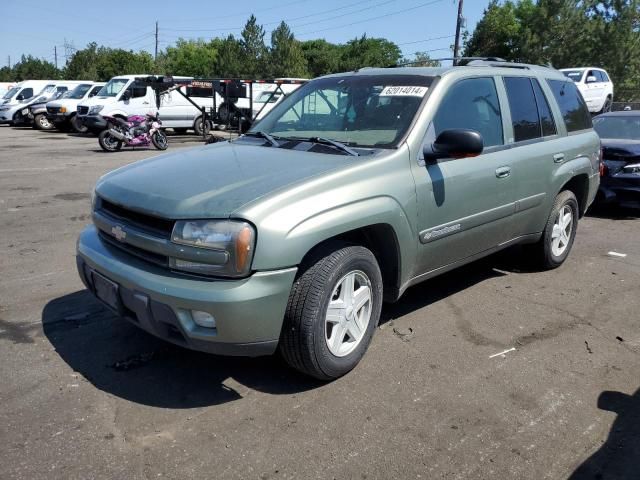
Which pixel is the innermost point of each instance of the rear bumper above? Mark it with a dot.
(248, 312)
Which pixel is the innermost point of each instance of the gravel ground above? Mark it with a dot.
(86, 395)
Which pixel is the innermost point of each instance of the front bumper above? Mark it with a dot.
(58, 117)
(92, 122)
(248, 312)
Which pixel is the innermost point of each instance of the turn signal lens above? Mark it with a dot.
(63, 109)
(244, 244)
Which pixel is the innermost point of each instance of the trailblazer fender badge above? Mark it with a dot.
(119, 233)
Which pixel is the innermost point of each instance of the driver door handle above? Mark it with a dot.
(145, 103)
(503, 172)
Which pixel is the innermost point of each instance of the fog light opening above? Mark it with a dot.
(203, 319)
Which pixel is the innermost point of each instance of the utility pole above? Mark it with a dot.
(55, 54)
(456, 46)
(155, 57)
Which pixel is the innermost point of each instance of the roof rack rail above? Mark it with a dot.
(474, 62)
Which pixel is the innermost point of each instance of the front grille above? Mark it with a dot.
(82, 110)
(151, 257)
(147, 223)
(53, 110)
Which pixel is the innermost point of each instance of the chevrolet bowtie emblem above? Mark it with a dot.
(119, 233)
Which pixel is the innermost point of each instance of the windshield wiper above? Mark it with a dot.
(266, 136)
(333, 143)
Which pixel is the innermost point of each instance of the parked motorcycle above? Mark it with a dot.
(136, 131)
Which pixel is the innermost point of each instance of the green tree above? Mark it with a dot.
(31, 68)
(286, 58)
(321, 56)
(253, 48)
(194, 58)
(421, 59)
(229, 62)
(369, 52)
(6, 74)
(83, 64)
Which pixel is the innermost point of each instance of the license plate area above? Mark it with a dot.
(107, 292)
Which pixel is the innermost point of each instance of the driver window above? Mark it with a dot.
(138, 90)
(471, 103)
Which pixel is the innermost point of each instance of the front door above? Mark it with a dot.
(465, 205)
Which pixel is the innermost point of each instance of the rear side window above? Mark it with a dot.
(605, 77)
(547, 123)
(524, 111)
(574, 111)
(472, 103)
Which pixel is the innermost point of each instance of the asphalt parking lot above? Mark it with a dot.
(85, 395)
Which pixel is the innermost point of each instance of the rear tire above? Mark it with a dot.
(159, 140)
(109, 143)
(201, 127)
(333, 310)
(41, 122)
(606, 107)
(559, 233)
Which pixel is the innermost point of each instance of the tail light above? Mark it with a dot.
(603, 167)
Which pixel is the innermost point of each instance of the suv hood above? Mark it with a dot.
(64, 102)
(212, 181)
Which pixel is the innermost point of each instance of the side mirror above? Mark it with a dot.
(591, 79)
(20, 97)
(454, 143)
(126, 96)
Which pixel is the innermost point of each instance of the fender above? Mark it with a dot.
(323, 225)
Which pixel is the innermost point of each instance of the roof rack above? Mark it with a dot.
(474, 62)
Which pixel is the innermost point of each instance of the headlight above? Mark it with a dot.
(95, 109)
(235, 238)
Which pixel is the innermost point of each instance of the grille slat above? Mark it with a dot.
(146, 255)
(148, 223)
(82, 110)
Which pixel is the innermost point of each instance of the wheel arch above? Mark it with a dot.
(383, 242)
(579, 185)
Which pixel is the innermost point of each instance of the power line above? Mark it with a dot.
(422, 5)
(245, 13)
(425, 40)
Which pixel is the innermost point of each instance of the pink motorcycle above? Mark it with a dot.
(136, 131)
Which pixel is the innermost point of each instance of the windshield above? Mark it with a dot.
(625, 128)
(360, 110)
(113, 87)
(11, 93)
(78, 92)
(574, 75)
(47, 89)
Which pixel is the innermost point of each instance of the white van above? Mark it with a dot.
(121, 96)
(178, 113)
(16, 110)
(34, 111)
(20, 95)
(61, 113)
(124, 96)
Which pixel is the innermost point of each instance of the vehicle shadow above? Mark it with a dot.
(124, 361)
(613, 212)
(619, 456)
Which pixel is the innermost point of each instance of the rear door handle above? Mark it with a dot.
(558, 158)
(503, 172)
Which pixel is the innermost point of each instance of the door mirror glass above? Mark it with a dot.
(591, 79)
(126, 96)
(20, 97)
(454, 143)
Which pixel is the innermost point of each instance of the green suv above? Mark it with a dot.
(352, 189)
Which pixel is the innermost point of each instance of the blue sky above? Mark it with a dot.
(36, 26)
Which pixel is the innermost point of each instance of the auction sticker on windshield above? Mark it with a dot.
(397, 91)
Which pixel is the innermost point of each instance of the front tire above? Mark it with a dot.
(201, 127)
(159, 140)
(76, 125)
(41, 122)
(109, 143)
(333, 310)
(559, 233)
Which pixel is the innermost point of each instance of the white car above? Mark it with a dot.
(595, 85)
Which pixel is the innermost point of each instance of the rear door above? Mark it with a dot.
(536, 149)
(465, 205)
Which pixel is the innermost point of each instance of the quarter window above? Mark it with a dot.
(574, 111)
(524, 111)
(471, 103)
